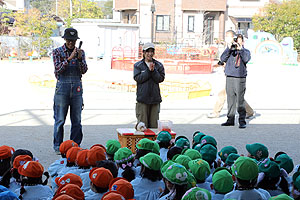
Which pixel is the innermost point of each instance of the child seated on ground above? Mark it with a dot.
(32, 186)
(196, 193)
(296, 186)
(257, 151)
(197, 136)
(173, 151)
(150, 185)
(201, 170)
(6, 153)
(122, 186)
(11, 178)
(71, 158)
(222, 183)
(124, 159)
(94, 155)
(245, 173)
(225, 152)
(164, 140)
(271, 179)
(82, 162)
(112, 147)
(183, 160)
(69, 190)
(230, 160)
(176, 181)
(193, 154)
(67, 179)
(183, 142)
(100, 179)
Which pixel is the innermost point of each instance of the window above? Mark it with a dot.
(162, 22)
(191, 20)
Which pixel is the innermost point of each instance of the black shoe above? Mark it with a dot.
(242, 126)
(227, 124)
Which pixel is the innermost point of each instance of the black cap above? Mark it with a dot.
(71, 34)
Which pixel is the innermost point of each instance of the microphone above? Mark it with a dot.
(80, 44)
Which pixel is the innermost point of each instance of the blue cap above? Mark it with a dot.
(8, 195)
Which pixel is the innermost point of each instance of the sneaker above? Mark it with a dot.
(250, 116)
(242, 126)
(213, 115)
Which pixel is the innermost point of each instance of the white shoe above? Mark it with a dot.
(213, 115)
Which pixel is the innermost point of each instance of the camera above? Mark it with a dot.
(234, 44)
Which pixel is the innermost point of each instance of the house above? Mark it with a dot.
(187, 22)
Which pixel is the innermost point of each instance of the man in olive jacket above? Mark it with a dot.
(148, 73)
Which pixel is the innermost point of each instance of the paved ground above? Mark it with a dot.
(26, 110)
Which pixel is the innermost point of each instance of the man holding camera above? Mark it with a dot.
(69, 63)
(236, 57)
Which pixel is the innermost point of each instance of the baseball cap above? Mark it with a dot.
(183, 160)
(209, 139)
(72, 154)
(95, 154)
(222, 180)
(198, 137)
(72, 190)
(282, 197)
(296, 180)
(123, 155)
(156, 148)
(145, 144)
(68, 179)
(164, 136)
(192, 182)
(70, 34)
(258, 150)
(100, 177)
(208, 152)
(183, 143)
(21, 160)
(193, 154)
(151, 161)
(122, 186)
(8, 195)
(112, 146)
(6, 152)
(197, 193)
(176, 174)
(64, 197)
(66, 145)
(81, 158)
(269, 168)
(231, 158)
(112, 195)
(165, 165)
(32, 169)
(285, 162)
(148, 45)
(225, 151)
(245, 168)
(99, 145)
(200, 169)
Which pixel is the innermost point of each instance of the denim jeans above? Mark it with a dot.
(68, 94)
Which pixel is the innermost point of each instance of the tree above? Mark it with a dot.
(38, 26)
(80, 9)
(107, 9)
(44, 6)
(280, 19)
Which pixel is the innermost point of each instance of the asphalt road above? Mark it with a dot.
(26, 117)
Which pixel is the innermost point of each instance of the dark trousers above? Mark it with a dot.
(147, 113)
(235, 90)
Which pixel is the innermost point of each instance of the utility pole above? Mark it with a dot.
(152, 20)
